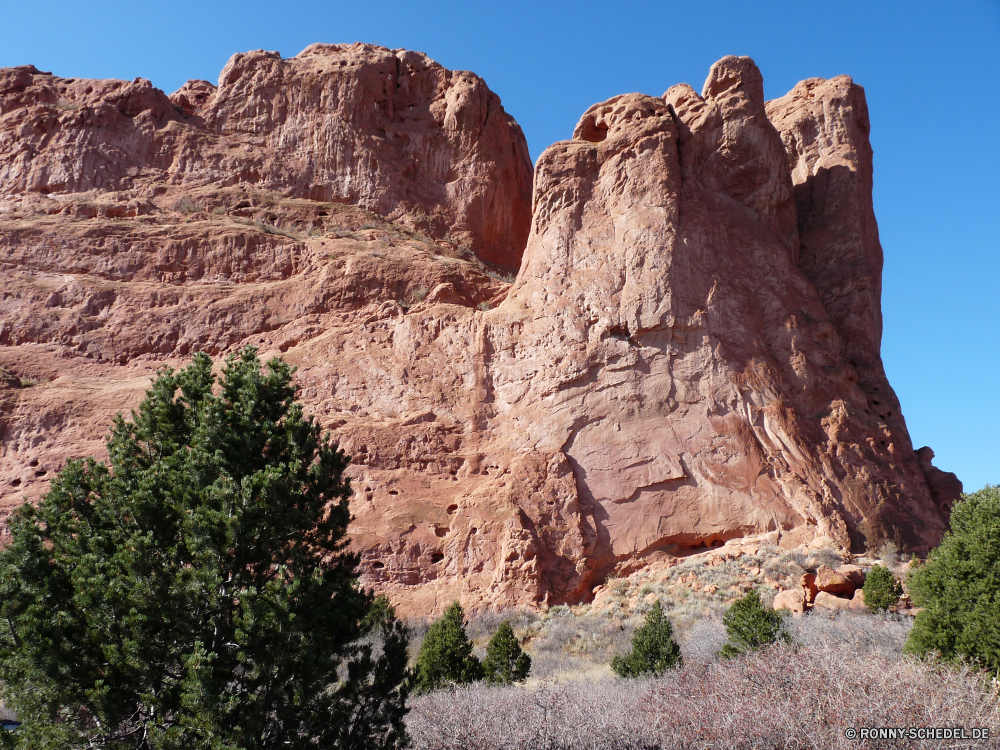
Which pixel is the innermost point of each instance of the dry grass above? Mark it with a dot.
(844, 669)
(782, 697)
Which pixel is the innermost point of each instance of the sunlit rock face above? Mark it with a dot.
(688, 354)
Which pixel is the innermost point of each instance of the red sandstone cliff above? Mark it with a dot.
(689, 352)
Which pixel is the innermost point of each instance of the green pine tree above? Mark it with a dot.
(959, 586)
(446, 656)
(654, 649)
(196, 591)
(505, 662)
(881, 589)
(750, 625)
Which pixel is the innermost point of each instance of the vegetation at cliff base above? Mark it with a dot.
(654, 649)
(446, 656)
(505, 661)
(958, 588)
(881, 589)
(750, 625)
(196, 590)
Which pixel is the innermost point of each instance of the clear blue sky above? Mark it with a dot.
(929, 69)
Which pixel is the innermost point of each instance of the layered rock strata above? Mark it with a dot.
(390, 131)
(689, 353)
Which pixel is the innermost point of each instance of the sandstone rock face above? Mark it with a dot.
(853, 573)
(826, 600)
(793, 600)
(390, 131)
(833, 582)
(684, 357)
(946, 488)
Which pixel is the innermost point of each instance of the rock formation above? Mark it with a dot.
(389, 131)
(689, 353)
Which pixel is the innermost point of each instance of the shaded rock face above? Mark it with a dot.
(390, 131)
(688, 354)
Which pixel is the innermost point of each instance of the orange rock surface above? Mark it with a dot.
(688, 354)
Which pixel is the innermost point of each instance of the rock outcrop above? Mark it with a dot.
(689, 353)
(390, 131)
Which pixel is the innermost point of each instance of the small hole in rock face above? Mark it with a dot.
(378, 565)
(440, 531)
(41, 472)
(875, 402)
(452, 508)
(33, 462)
(883, 442)
(15, 482)
(437, 557)
(393, 492)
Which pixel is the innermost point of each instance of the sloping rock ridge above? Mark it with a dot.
(689, 353)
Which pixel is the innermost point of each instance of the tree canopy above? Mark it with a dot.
(958, 588)
(196, 590)
(446, 656)
(505, 661)
(654, 649)
(750, 625)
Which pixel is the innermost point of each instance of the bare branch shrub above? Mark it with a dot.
(779, 697)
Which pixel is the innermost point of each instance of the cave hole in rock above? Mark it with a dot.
(440, 531)
(41, 472)
(15, 482)
(452, 508)
(378, 565)
(33, 462)
(437, 557)
(393, 492)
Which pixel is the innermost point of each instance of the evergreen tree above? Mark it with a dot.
(505, 662)
(446, 656)
(196, 591)
(654, 649)
(750, 625)
(959, 586)
(881, 589)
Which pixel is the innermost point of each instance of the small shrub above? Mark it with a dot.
(750, 625)
(654, 649)
(888, 553)
(186, 206)
(271, 229)
(957, 586)
(483, 306)
(28, 382)
(419, 294)
(507, 278)
(784, 566)
(446, 656)
(881, 588)
(505, 662)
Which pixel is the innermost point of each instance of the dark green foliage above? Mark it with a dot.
(881, 589)
(750, 625)
(505, 662)
(446, 656)
(959, 586)
(654, 649)
(196, 592)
